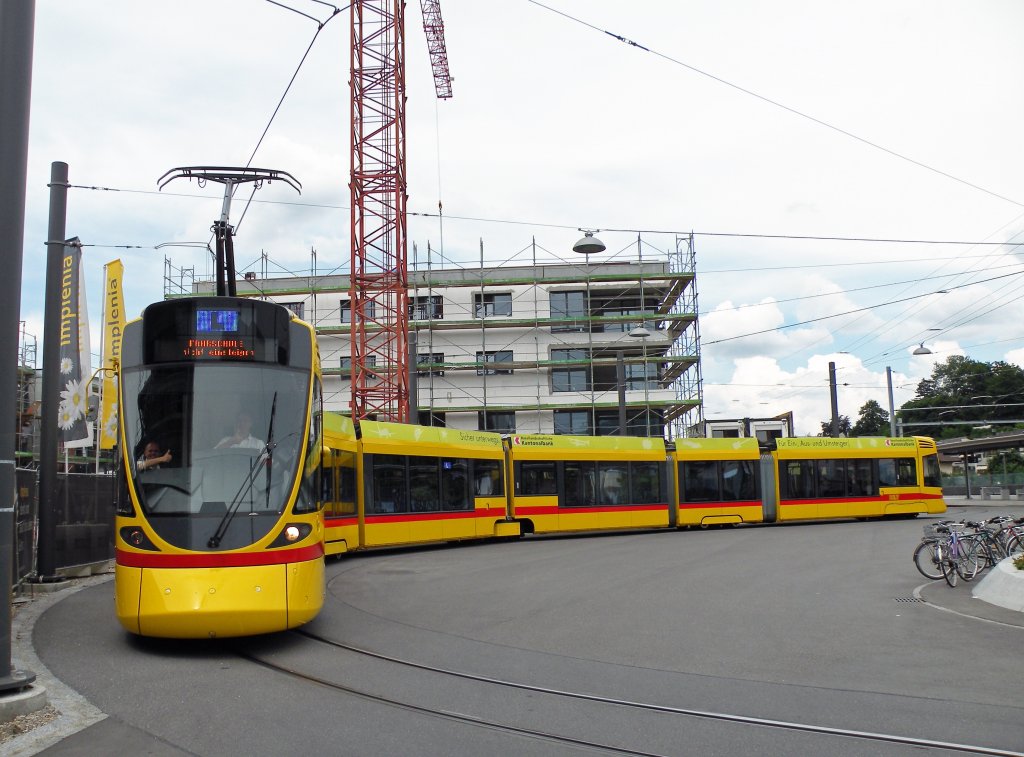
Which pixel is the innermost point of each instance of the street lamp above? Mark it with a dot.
(921, 350)
(641, 333)
(589, 244)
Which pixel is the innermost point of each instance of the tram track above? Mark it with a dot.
(630, 707)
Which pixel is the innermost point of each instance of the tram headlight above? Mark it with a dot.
(134, 536)
(292, 532)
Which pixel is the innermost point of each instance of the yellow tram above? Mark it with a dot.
(722, 481)
(219, 530)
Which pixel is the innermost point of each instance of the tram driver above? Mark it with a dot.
(151, 457)
(242, 437)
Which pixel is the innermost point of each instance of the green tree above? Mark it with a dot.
(962, 389)
(844, 426)
(1010, 461)
(872, 420)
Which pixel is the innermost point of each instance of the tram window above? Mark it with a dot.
(906, 472)
(645, 483)
(454, 484)
(424, 493)
(799, 479)
(536, 478)
(327, 488)
(858, 478)
(700, 481)
(343, 475)
(580, 490)
(614, 483)
(932, 474)
(487, 477)
(887, 472)
(738, 480)
(831, 478)
(388, 484)
(897, 472)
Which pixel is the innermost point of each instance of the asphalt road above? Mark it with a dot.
(800, 639)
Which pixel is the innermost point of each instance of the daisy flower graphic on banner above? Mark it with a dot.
(110, 427)
(74, 397)
(65, 419)
(65, 365)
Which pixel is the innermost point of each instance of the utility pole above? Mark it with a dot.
(835, 399)
(17, 27)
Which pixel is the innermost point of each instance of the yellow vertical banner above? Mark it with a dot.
(113, 326)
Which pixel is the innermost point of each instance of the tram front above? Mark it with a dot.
(219, 532)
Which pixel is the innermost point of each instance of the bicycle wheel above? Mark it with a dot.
(927, 560)
(972, 557)
(947, 564)
(1014, 546)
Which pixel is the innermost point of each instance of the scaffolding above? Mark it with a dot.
(27, 404)
(508, 345)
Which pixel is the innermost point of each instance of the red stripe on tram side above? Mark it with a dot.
(218, 559)
(419, 517)
(556, 510)
(340, 520)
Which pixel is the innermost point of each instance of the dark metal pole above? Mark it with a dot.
(17, 27)
(967, 475)
(47, 553)
(620, 379)
(835, 399)
(892, 412)
(414, 413)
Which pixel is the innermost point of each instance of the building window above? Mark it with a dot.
(346, 364)
(426, 308)
(345, 310)
(568, 305)
(426, 418)
(429, 358)
(641, 376)
(572, 378)
(493, 356)
(297, 308)
(496, 421)
(574, 422)
(487, 305)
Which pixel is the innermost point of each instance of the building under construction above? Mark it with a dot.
(556, 346)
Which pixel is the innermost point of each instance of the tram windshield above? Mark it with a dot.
(215, 447)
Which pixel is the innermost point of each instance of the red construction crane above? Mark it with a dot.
(433, 25)
(378, 293)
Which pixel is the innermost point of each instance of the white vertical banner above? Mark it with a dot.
(75, 361)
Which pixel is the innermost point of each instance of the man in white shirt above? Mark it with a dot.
(242, 438)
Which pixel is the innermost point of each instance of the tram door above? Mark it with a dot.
(769, 490)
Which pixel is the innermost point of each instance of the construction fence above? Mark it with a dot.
(84, 513)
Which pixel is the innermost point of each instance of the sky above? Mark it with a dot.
(775, 132)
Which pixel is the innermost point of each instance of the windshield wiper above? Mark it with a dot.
(270, 448)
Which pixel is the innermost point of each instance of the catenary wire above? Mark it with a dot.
(778, 104)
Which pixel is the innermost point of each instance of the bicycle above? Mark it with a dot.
(953, 555)
(985, 546)
(926, 556)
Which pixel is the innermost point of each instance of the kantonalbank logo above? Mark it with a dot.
(533, 441)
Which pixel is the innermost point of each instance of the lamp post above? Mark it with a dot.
(641, 333)
(892, 412)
